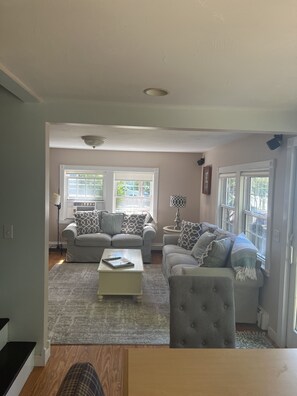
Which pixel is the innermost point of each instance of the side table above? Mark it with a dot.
(170, 230)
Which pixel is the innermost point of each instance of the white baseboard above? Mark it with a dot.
(3, 336)
(41, 360)
(272, 335)
(157, 246)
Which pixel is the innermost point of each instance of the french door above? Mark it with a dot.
(291, 339)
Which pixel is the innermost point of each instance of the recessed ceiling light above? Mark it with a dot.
(155, 92)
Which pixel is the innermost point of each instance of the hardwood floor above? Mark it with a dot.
(107, 359)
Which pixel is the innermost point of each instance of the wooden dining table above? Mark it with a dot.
(210, 372)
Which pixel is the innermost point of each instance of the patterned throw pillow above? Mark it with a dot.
(216, 253)
(190, 233)
(202, 243)
(87, 222)
(133, 224)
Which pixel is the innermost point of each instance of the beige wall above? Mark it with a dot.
(253, 149)
(178, 174)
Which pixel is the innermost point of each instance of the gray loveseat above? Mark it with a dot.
(86, 238)
(179, 260)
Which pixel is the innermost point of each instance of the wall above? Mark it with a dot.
(173, 167)
(23, 204)
(253, 149)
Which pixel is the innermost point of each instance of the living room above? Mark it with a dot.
(229, 80)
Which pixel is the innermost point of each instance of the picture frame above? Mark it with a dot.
(206, 180)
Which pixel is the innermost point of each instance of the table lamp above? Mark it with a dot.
(177, 201)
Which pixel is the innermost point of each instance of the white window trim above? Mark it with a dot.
(108, 172)
(242, 170)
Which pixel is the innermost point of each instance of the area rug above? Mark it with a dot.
(77, 317)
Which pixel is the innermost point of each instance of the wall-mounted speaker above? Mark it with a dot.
(275, 142)
(201, 161)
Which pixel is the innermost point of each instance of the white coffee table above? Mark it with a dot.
(122, 281)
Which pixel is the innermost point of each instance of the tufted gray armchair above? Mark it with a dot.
(202, 313)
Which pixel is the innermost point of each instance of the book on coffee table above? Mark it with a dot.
(118, 262)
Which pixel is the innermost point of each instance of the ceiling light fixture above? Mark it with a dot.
(155, 92)
(93, 141)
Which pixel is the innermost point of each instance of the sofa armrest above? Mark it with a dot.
(149, 233)
(170, 239)
(70, 233)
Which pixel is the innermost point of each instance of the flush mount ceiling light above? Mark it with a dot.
(155, 92)
(93, 141)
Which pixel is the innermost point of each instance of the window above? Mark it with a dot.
(245, 203)
(255, 210)
(227, 202)
(129, 190)
(133, 192)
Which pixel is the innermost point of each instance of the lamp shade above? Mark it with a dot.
(178, 201)
(56, 199)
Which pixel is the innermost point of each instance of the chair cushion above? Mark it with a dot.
(167, 249)
(133, 224)
(126, 240)
(81, 380)
(87, 222)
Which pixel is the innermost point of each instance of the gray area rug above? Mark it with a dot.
(77, 317)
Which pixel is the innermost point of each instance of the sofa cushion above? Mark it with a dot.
(126, 240)
(133, 224)
(190, 233)
(216, 253)
(176, 259)
(99, 239)
(243, 258)
(201, 245)
(167, 249)
(87, 222)
(112, 223)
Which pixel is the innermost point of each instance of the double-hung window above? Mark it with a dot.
(116, 189)
(245, 203)
(227, 201)
(133, 192)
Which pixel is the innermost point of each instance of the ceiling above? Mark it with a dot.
(206, 53)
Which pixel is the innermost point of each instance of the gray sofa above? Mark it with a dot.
(178, 260)
(88, 247)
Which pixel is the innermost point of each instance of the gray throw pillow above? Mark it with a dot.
(133, 224)
(216, 253)
(202, 243)
(87, 222)
(189, 235)
(111, 223)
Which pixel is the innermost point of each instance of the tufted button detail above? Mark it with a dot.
(226, 342)
(203, 307)
(183, 342)
(214, 289)
(203, 342)
(215, 324)
(226, 306)
(191, 290)
(181, 307)
(192, 325)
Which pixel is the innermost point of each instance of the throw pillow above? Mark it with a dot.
(216, 253)
(189, 235)
(133, 224)
(87, 222)
(202, 243)
(111, 223)
(244, 258)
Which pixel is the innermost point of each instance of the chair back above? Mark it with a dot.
(202, 312)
